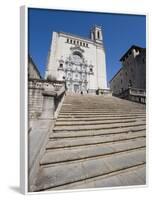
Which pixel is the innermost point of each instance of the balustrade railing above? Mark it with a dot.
(133, 94)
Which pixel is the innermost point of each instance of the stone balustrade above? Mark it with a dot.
(134, 94)
(38, 91)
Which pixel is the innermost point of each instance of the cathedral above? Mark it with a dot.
(78, 61)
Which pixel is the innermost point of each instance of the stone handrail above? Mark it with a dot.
(41, 84)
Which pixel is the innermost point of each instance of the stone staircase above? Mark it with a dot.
(97, 141)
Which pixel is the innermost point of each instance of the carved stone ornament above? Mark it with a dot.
(77, 48)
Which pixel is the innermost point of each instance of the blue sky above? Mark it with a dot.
(119, 33)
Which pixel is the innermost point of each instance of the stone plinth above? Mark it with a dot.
(48, 104)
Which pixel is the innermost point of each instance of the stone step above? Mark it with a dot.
(94, 150)
(50, 177)
(101, 105)
(101, 102)
(135, 175)
(112, 121)
(100, 115)
(103, 111)
(60, 119)
(96, 142)
(83, 141)
(90, 133)
(97, 127)
(98, 108)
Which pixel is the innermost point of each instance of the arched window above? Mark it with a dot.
(98, 35)
(77, 53)
(93, 36)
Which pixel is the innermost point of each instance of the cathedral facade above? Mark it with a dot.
(78, 61)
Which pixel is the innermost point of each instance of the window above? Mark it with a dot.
(80, 43)
(86, 45)
(93, 36)
(98, 35)
(121, 81)
(61, 65)
(74, 42)
(91, 70)
(67, 40)
(71, 41)
(130, 83)
(77, 53)
(126, 73)
(77, 42)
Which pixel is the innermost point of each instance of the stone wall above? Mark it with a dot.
(36, 88)
(35, 99)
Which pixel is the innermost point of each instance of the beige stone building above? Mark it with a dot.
(132, 73)
(78, 61)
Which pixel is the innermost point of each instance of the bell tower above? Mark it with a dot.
(96, 34)
(97, 38)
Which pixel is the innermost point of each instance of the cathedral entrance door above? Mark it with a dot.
(76, 88)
